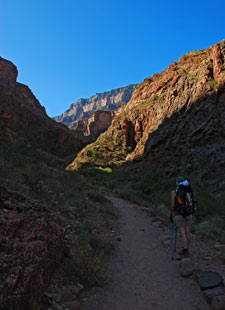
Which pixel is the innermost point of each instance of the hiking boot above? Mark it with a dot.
(183, 254)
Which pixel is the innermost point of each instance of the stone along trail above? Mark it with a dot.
(142, 275)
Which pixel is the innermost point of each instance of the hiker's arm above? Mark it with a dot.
(173, 195)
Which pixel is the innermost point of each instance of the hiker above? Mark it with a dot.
(181, 212)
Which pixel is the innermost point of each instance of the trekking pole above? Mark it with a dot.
(171, 235)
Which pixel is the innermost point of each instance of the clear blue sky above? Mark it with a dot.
(70, 49)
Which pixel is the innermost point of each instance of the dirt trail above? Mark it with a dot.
(142, 275)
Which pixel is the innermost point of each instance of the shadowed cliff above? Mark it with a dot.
(21, 113)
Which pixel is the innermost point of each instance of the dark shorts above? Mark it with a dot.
(182, 221)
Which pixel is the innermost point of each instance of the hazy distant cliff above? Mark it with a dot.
(107, 101)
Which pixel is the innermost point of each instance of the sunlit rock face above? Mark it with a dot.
(174, 120)
(96, 124)
(21, 112)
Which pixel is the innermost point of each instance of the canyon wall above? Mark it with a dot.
(174, 120)
(107, 101)
(21, 112)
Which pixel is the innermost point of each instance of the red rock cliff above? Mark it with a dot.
(21, 112)
(174, 120)
(96, 124)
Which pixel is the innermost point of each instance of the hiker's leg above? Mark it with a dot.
(188, 237)
(188, 222)
(180, 223)
(184, 237)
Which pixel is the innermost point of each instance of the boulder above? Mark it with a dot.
(186, 267)
(208, 279)
(212, 292)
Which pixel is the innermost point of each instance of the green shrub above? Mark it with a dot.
(129, 149)
(107, 169)
(212, 227)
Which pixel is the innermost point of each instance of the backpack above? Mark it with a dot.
(184, 204)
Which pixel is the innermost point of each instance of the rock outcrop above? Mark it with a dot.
(22, 113)
(96, 124)
(174, 120)
(83, 108)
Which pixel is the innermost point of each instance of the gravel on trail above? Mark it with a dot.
(141, 274)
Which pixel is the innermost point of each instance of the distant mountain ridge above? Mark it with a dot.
(106, 101)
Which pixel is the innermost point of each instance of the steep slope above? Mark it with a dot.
(55, 240)
(22, 113)
(107, 101)
(174, 120)
(28, 259)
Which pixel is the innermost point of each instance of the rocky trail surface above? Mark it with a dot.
(142, 274)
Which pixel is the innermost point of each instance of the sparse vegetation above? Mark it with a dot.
(222, 43)
(157, 76)
(129, 149)
(212, 83)
(197, 53)
(97, 154)
(42, 177)
(152, 190)
(156, 97)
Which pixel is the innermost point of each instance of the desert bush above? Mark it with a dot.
(87, 267)
(211, 228)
